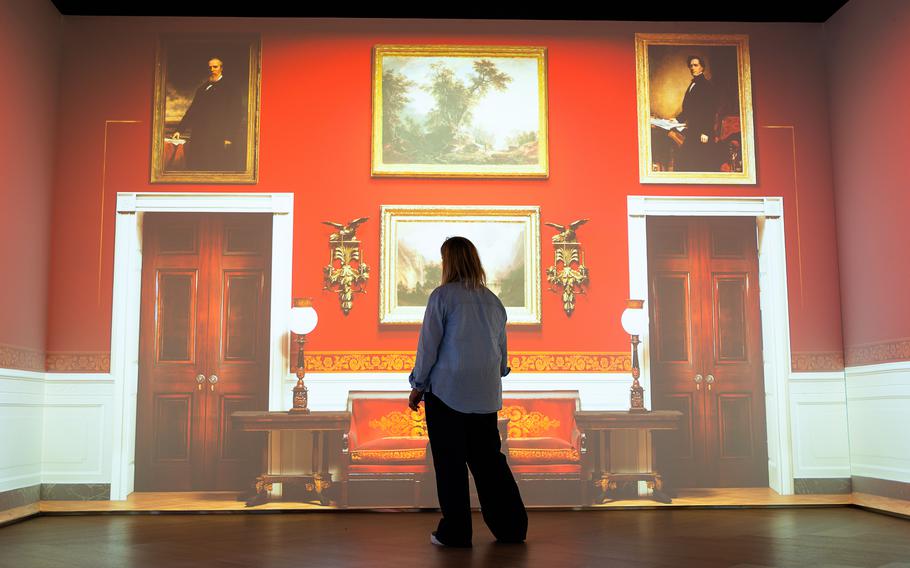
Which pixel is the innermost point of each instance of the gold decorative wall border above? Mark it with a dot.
(875, 353)
(78, 362)
(20, 358)
(520, 361)
(817, 361)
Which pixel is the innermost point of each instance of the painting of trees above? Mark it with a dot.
(459, 113)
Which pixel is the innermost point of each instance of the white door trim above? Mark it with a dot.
(775, 318)
(126, 301)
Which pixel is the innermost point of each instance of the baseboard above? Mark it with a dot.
(22, 497)
(19, 504)
(882, 487)
(823, 486)
(17, 514)
(75, 491)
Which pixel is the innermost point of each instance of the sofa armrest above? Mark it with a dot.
(350, 441)
(577, 439)
(502, 424)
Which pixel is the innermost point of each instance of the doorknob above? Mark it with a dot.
(200, 379)
(710, 380)
(698, 380)
(213, 379)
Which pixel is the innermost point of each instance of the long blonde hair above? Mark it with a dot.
(461, 263)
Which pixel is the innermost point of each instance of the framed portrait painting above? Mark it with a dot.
(459, 111)
(694, 109)
(205, 123)
(507, 239)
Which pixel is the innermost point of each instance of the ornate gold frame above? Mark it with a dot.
(251, 173)
(389, 310)
(741, 42)
(539, 170)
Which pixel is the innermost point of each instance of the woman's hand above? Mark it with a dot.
(414, 399)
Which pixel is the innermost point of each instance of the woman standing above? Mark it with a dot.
(461, 359)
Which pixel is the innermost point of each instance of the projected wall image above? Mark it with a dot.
(205, 314)
(176, 374)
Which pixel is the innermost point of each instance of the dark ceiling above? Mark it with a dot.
(649, 10)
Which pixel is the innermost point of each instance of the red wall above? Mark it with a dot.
(867, 56)
(315, 141)
(29, 59)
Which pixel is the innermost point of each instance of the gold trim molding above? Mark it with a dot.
(78, 362)
(524, 362)
(20, 358)
(875, 353)
(818, 361)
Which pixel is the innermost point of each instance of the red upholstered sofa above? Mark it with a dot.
(388, 442)
(387, 451)
(544, 445)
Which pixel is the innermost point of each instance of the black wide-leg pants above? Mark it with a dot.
(459, 441)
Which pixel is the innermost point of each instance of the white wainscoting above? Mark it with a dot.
(878, 404)
(78, 428)
(598, 391)
(65, 430)
(21, 425)
(818, 420)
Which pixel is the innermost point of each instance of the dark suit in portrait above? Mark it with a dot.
(699, 111)
(214, 121)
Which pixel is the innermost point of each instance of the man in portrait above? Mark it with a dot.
(214, 122)
(699, 112)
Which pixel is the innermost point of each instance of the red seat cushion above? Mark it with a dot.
(544, 449)
(391, 449)
(550, 468)
(388, 468)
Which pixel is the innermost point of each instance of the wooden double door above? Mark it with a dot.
(204, 349)
(705, 350)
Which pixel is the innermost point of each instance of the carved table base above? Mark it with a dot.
(318, 484)
(618, 486)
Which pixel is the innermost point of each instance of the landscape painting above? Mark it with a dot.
(507, 240)
(459, 111)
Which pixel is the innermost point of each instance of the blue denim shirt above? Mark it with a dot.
(461, 354)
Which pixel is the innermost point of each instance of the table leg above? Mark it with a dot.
(259, 493)
(322, 479)
(657, 484)
(601, 479)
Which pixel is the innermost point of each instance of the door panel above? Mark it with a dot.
(175, 325)
(735, 419)
(719, 318)
(172, 437)
(730, 339)
(240, 318)
(238, 345)
(203, 349)
(676, 320)
(671, 295)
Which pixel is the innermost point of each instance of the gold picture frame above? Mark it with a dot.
(219, 118)
(714, 143)
(495, 128)
(507, 238)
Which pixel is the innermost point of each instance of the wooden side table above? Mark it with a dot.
(320, 423)
(597, 425)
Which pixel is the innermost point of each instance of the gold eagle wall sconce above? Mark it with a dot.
(346, 274)
(568, 271)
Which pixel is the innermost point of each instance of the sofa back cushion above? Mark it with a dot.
(385, 431)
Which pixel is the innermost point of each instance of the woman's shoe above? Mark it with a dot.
(437, 542)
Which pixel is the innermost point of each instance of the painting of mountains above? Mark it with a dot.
(507, 239)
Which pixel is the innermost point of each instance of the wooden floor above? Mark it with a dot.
(226, 501)
(837, 537)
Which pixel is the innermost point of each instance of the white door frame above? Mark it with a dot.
(126, 302)
(775, 315)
